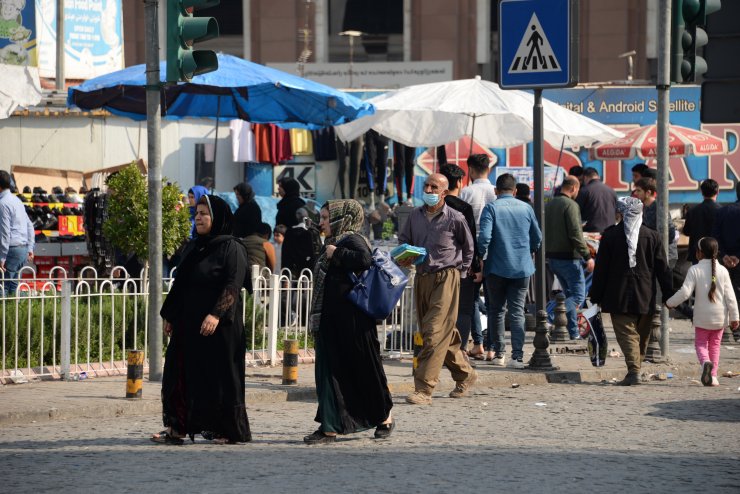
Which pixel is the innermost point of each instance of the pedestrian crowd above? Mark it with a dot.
(480, 242)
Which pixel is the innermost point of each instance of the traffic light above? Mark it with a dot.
(183, 30)
(688, 37)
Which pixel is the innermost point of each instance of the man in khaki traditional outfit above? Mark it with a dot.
(444, 234)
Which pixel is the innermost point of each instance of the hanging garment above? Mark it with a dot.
(262, 142)
(242, 141)
(301, 142)
(376, 156)
(403, 167)
(324, 146)
(280, 145)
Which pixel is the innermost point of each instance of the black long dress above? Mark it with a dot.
(203, 381)
(351, 384)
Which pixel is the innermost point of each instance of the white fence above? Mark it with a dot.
(77, 327)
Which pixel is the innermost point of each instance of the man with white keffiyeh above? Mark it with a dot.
(630, 264)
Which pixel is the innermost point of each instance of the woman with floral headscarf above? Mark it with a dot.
(630, 264)
(203, 381)
(351, 385)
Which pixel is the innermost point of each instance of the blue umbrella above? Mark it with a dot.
(237, 90)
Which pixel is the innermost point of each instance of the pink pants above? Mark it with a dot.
(707, 343)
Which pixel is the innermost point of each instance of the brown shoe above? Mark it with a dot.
(419, 398)
(462, 389)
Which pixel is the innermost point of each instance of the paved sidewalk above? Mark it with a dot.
(105, 397)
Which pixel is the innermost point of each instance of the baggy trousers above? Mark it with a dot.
(436, 299)
(633, 334)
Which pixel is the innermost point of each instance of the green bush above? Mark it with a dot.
(36, 314)
(127, 226)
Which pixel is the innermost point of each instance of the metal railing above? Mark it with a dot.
(71, 328)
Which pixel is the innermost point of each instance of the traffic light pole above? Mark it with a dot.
(664, 91)
(154, 175)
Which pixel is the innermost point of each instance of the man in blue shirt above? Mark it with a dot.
(509, 235)
(16, 235)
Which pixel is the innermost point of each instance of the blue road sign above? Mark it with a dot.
(539, 43)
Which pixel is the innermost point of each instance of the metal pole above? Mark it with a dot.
(66, 327)
(60, 46)
(540, 357)
(153, 88)
(539, 199)
(664, 88)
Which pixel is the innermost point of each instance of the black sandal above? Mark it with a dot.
(319, 437)
(383, 431)
(165, 437)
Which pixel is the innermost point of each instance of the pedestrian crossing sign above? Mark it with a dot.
(534, 53)
(539, 43)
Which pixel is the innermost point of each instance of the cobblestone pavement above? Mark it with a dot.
(673, 436)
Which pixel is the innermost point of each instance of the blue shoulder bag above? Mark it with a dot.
(378, 289)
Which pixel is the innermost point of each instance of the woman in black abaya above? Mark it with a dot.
(203, 381)
(248, 216)
(350, 381)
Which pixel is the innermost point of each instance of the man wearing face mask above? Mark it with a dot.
(444, 234)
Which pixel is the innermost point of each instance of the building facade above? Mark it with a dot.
(464, 32)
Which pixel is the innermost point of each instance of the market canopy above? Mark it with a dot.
(438, 113)
(642, 142)
(239, 89)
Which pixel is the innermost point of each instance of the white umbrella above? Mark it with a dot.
(442, 112)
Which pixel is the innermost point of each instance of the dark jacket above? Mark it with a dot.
(699, 223)
(289, 204)
(467, 210)
(255, 251)
(598, 206)
(727, 230)
(620, 289)
(563, 232)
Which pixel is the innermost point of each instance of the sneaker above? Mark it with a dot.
(499, 360)
(715, 381)
(419, 398)
(517, 363)
(706, 373)
(463, 388)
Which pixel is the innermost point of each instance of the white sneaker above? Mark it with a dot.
(516, 364)
(499, 360)
(715, 381)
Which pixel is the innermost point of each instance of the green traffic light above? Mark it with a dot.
(184, 30)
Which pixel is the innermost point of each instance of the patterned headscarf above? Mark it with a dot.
(631, 210)
(345, 218)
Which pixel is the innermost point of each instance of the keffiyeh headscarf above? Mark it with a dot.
(345, 218)
(631, 210)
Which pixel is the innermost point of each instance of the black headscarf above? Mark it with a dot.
(291, 187)
(202, 245)
(221, 216)
(245, 191)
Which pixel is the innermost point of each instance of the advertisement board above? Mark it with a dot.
(93, 38)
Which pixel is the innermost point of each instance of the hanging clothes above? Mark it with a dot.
(349, 155)
(262, 142)
(403, 169)
(242, 141)
(376, 156)
(280, 149)
(301, 142)
(324, 148)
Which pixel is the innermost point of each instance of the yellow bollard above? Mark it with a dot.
(135, 373)
(290, 362)
(418, 343)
